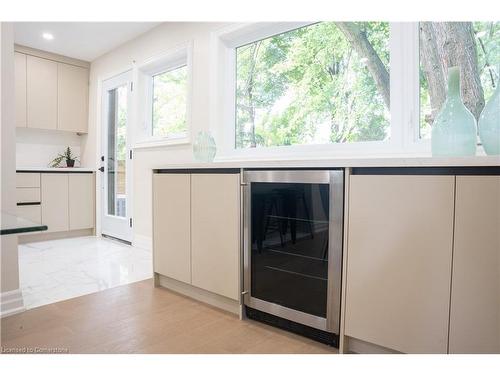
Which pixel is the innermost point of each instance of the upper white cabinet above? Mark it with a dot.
(72, 102)
(41, 93)
(51, 94)
(475, 294)
(20, 89)
(399, 257)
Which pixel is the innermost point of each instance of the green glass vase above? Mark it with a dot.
(454, 131)
(489, 125)
(204, 147)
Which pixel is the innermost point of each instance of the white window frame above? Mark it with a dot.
(404, 88)
(411, 105)
(172, 59)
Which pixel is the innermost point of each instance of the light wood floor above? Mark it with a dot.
(138, 318)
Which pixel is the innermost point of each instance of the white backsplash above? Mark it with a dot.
(37, 147)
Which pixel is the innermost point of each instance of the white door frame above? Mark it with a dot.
(114, 226)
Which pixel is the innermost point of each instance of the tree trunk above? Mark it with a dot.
(358, 40)
(446, 44)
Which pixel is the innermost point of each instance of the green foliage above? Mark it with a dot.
(309, 86)
(121, 124)
(67, 155)
(169, 102)
(488, 55)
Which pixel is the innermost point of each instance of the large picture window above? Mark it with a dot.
(472, 46)
(325, 83)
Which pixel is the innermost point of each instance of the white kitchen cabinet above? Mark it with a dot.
(41, 93)
(400, 237)
(72, 98)
(27, 195)
(172, 226)
(475, 294)
(20, 89)
(30, 212)
(196, 232)
(27, 180)
(50, 94)
(215, 232)
(81, 200)
(55, 203)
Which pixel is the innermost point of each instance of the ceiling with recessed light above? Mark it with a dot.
(80, 40)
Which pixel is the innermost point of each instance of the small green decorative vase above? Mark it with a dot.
(489, 125)
(204, 147)
(454, 131)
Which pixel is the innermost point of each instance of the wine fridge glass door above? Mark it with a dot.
(292, 219)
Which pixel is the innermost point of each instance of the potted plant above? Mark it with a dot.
(66, 155)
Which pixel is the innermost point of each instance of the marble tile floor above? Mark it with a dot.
(52, 271)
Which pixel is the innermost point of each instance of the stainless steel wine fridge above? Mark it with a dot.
(293, 230)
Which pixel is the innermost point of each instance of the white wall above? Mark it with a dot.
(155, 42)
(9, 270)
(38, 147)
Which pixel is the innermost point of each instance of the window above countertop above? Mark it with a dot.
(313, 89)
(163, 99)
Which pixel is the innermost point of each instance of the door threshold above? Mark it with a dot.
(116, 239)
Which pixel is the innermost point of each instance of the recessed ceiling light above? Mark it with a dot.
(47, 36)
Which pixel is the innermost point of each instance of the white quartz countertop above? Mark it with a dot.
(392, 161)
(48, 169)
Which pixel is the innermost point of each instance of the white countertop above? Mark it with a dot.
(48, 169)
(391, 161)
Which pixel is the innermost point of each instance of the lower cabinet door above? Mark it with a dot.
(215, 231)
(399, 261)
(171, 226)
(475, 292)
(54, 197)
(81, 200)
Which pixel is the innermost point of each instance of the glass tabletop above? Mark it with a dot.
(12, 224)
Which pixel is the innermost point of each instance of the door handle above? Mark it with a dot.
(101, 169)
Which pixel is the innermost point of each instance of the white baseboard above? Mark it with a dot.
(11, 303)
(44, 236)
(363, 347)
(144, 242)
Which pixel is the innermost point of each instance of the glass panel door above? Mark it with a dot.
(289, 245)
(117, 151)
(116, 218)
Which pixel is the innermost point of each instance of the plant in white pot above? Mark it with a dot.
(66, 155)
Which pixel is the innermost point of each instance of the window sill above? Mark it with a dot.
(161, 143)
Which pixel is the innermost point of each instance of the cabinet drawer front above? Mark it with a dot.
(28, 195)
(28, 180)
(32, 213)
